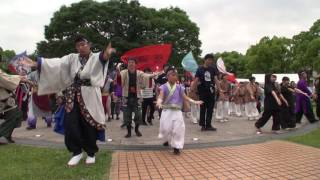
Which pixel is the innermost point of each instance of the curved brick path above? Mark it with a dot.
(269, 160)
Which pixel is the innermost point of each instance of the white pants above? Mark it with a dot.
(222, 110)
(251, 110)
(232, 108)
(172, 127)
(238, 109)
(195, 112)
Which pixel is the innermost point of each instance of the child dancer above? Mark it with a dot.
(170, 99)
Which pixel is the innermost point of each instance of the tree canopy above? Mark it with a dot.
(126, 24)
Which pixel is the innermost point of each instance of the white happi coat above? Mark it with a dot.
(57, 74)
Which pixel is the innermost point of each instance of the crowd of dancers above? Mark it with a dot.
(80, 94)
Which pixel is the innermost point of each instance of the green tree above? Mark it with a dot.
(5, 56)
(306, 49)
(269, 56)
(127, 24)
(234, 62)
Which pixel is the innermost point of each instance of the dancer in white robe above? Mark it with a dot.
(82, 76)
(171, 97)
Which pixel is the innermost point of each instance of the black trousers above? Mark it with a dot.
(79, 134)
(147, 102)
(206, 110)
(309, 114)
(266, 115)
(12, 119)
(287, 116)
(318, 106)
(24, 109)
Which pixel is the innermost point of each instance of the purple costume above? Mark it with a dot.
(302, 102)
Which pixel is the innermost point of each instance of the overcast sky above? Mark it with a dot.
(225, 25)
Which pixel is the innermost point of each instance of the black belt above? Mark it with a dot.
(82, 82)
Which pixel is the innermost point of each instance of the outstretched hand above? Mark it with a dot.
(108, 51)
(198, 102)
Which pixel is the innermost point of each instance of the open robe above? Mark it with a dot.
(58, 74)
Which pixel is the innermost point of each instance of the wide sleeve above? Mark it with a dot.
(55, 74)
(9, 82)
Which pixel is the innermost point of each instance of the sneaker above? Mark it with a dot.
(210, 128)
(259, 131)
(75, 160)
(314, 121)
(277, 132)
(221, 120)
(226, 120)
(138, 133)
(166, 144)
(176, 151)
(194, 121)
(90, 160)
(31, 127)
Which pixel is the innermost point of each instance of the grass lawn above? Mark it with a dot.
(24, 162)
(310, 139)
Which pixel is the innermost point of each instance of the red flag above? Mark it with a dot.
(153, 57)
(232, 78)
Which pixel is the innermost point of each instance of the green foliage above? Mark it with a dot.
(5, 56)
(283, 55)
(126, 24)
(269, 56)
(234, 62)
(23, 162)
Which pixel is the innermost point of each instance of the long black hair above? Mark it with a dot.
(267, 80)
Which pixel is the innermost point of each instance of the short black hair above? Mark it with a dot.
(170, 68)
(301, 72)
(132, 59)
(252, 78)
(208, 56)
(285, 78)
(80, 38)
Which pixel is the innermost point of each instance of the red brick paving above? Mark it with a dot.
(270, 160)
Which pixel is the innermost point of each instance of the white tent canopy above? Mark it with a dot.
(242, 80)
(292, 77)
